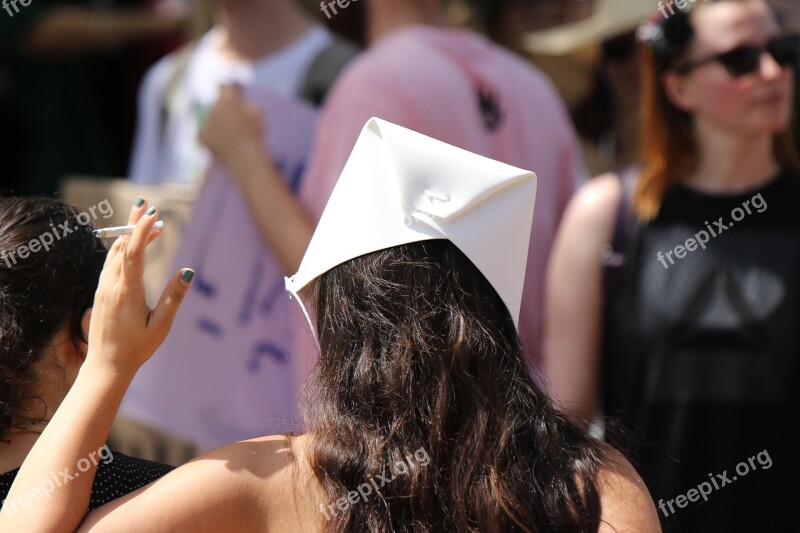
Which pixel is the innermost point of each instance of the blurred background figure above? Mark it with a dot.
(694, 339)
(271, 44)
(244, 94)
(457, 86)
(68, 73)
(590, 50)
(509, 21)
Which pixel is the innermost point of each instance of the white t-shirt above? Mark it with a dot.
(169, 150)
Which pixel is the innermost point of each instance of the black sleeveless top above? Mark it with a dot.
(116, 476)
(701, 357)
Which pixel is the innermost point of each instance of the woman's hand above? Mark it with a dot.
(234, 132)
(123, 331)
(234, 124)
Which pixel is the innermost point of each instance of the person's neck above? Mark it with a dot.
(15, 449)
(387, 16)
(731, 164)
(253, 30)
(28, 424)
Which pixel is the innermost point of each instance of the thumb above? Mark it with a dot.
(169, 303)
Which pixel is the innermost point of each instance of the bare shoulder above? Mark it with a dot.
(626, 503)
(271, 462)
(587, 226)
(595, 204)
(226, 489)
(261, 456)
(285, 486)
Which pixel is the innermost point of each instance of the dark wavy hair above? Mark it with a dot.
(40, 294)
(418, 352)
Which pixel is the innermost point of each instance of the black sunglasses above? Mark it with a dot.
(746, 59)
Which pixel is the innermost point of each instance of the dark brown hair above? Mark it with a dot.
(42, 293)
(418, 352)
(669, 149)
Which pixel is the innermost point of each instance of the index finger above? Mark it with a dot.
(133, 261)
(138, 209)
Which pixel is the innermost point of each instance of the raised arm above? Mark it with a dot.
(123, 333)
(574, 298)
(234, 134)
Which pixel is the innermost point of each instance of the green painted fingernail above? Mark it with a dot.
(139, 201)
(187, 275)
(152, 210)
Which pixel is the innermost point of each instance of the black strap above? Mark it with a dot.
(325, 68)
(623, 241)
(624, 222)
(320, 76)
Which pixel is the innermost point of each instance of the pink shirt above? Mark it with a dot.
(428, 79)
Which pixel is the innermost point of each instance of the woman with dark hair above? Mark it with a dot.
(47, 284)
(424, 414)
(692, 336)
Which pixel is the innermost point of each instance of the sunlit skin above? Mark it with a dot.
(755, 104)
(735, 119)
(735, 122)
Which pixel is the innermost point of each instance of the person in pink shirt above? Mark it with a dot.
(451, 84)
(456, 86)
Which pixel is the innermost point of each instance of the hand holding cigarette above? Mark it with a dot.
(117, 231)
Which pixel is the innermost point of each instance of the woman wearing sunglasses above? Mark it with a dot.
(694, 338)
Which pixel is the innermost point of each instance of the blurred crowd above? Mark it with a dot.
(651, 136)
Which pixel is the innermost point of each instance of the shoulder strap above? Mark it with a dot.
(622, 224)
(624, 220)
(623, 240)
(325, 68)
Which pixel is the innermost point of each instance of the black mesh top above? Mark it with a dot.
(702, 357)
(117, 475)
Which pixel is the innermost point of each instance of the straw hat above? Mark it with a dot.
(609, 19)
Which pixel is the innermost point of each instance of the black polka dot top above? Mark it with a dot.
(117, 475)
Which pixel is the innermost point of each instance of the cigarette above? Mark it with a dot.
(116, 231)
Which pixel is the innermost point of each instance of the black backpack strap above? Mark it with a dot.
(625, 230)
(325, 68)
(622, 227)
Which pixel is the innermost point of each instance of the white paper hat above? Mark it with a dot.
(400, 186)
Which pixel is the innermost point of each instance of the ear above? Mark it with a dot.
(678, 88)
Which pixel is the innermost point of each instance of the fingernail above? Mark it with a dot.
(152, 210)
(139, 201)
(187, 275)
